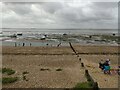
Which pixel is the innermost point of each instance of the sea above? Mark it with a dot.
(61, 31)
(37, 33)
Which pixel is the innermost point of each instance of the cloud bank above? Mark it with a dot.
(60, 15)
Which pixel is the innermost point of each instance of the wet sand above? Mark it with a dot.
(33, 59)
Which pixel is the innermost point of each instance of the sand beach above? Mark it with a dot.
(35, 59)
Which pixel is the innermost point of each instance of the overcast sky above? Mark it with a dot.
(60, 15)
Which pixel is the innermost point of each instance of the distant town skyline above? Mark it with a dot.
(60, 15)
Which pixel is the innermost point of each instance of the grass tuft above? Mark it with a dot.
(83, 85)
(6, 80)
(8, 71)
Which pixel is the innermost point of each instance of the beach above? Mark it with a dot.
(42, 63)
(59, 44)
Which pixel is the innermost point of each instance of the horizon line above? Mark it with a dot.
(59, 28)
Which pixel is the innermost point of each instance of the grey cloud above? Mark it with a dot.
(68, 15)
(106, 5)
(52, 7)
(18, 8)
(79, 16)
(57, 14)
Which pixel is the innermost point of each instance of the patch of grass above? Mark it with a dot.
(83, 85)
(1, 80)
(59, 69)
(0, 70)
(6, 80)
(8, 71)
(25, 72)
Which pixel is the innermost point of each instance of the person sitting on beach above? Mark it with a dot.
(101, 65)
(107, 69)
(109, 62)
(106, 63)
(107, 66)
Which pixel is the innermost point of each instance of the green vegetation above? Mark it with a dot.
(0, 70)
(7, 71)
(58, 69)
(6, 80)
(1, 80)
(83, 85)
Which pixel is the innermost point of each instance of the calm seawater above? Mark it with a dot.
(69, 31)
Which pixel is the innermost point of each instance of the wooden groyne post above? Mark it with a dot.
(58, 44)
(80, 59)
(72, 48)
(90, 79)
(95, 86)
(82, 64)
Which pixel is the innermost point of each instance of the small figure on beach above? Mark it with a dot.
(15, 44)
(101, 65)
(23, 44)
(47, 44)
(30, 44)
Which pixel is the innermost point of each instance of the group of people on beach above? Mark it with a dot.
(105, 66)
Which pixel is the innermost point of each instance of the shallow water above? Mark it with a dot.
(33, 43)
(68, 31)
(37, 34)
